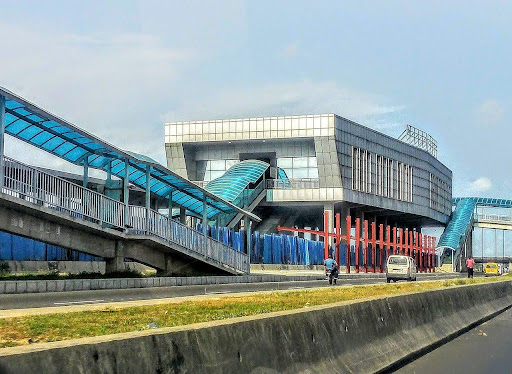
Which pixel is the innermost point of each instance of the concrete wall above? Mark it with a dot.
(38, 286)
(359, 337)
(70, 267)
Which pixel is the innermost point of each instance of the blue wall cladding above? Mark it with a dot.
(18, 248)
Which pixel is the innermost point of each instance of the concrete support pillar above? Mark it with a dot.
(169, 200)
(344, 212)
(168, 267)
(148, 195)
(470, 243)
(247, 226)
(359, 213)
(86, 172)
(205, 223)
(116, 264)
(148, 187)
(109, 171)
(2, 140)
(126, 191)
(330, 208)
(183, 216)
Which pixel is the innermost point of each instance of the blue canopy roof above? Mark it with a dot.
(33, 125)
(486, 201)
(237, 178)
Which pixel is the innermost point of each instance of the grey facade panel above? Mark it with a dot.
(331, 139)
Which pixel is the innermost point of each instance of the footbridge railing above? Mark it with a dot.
(44, 189)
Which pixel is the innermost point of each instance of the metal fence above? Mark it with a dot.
(292, 184)
(493, 218)
(42, 188)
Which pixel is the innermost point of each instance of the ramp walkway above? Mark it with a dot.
(458, 229)
(243, 184)
(464, 218)
(39, 128)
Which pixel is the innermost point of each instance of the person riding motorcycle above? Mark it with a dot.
(331, 269)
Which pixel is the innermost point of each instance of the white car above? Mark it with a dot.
(400, 268)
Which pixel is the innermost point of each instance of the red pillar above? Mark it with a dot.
(427, 246)
(411, 243)
(349, 221)
(420, 250)
(381, 247)
(365, 246)
(401, 242)
(338, 239)
(406, 242)
(416, 248)
(374, 250)
(388, 242)
(395, 250)
(358, 244)
(433, 263)
(326, 234)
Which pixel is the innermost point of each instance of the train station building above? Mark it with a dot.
(317, 163)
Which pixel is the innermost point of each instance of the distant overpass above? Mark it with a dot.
(39, 205)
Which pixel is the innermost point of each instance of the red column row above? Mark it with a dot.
(409, 243)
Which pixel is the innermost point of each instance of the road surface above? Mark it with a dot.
(485, 349)
(53, 299)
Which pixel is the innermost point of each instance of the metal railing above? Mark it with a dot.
(292, 184)
(39, 187)
(149, 222)
(42, 188)
(481, 217)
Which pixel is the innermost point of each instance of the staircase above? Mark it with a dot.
(458, 229)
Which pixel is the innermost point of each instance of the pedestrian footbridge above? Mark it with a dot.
(40, 205)
(469, 213)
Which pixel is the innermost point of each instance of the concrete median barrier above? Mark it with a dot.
(355, 337)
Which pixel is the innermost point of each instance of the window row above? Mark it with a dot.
(299, 167)
(440, 194)
(216, 168)
(382, 176)
(250, 124)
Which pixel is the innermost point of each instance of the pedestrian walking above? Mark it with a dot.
(470, 264)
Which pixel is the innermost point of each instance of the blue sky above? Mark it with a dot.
(120, 69)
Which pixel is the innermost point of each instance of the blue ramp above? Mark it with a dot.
(459, 226)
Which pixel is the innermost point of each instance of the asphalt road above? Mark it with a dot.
(485, 349)
(54, 299)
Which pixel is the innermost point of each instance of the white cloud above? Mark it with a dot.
(110, 84)
(491, 112)
(480, 185)
(303, 97)
(290, 50)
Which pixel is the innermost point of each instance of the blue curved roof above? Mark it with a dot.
(234, 181)
(35, 126)
(486, 201)
(459, 223)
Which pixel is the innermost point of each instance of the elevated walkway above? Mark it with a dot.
(32, 195)
(458, 229)
(40, 206)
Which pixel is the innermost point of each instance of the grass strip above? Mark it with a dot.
(55, 327)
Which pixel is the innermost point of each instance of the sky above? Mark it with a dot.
(121, 69)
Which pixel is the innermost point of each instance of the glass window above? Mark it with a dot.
(230, 163)
(217, 173)
(285, 162)
(300, 173)
(313, 173)
(300, 162)
(312, 162)
(217, 165)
